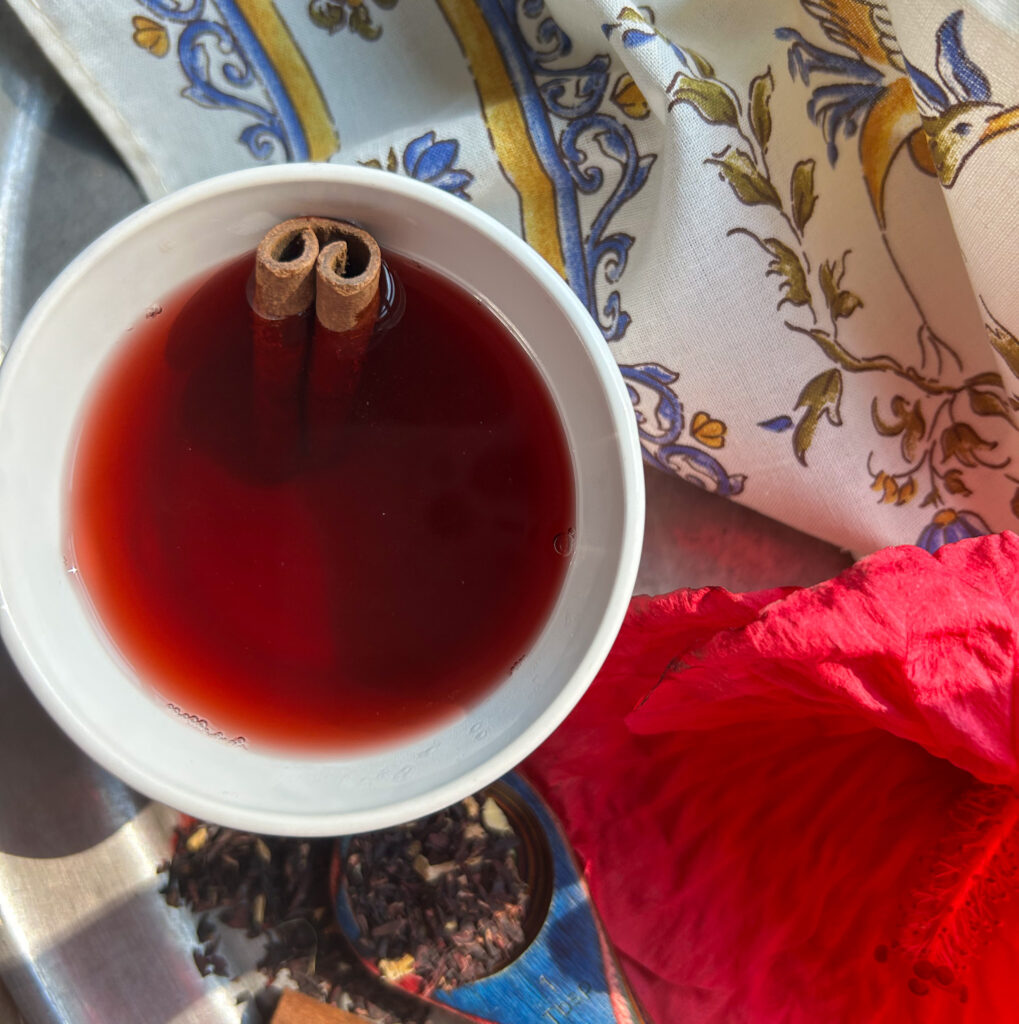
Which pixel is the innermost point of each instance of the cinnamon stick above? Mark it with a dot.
(283, 297)
(347, 282)
(296, 1008)
(282, 307)
(315, 304)
(285, 270)
(347, 277)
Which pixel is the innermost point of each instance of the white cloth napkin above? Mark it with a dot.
(746, 196)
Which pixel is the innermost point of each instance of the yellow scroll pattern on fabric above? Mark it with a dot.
(507, 126)
(287, 60)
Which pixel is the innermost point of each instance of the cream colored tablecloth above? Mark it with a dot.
(795, 222)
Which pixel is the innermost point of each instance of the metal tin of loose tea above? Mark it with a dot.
(481, 907)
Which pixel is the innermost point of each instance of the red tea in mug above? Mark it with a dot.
(354, 598)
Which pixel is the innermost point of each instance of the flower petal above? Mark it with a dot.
(412, 154)
(150, 35)
(709, 432)
(628, 97)
(632, 38)
(455, 181)
(436, 159)
(777, 424)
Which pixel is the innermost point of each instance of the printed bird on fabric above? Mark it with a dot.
(878, 93)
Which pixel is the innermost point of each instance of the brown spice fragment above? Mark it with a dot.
(296, 1008)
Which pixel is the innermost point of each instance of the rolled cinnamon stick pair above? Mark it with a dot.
(315, 304)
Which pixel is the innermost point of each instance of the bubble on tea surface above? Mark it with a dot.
(392, 300)
(565, 543)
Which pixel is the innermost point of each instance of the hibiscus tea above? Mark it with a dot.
(359, 595)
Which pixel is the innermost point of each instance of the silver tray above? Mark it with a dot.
(84, 933)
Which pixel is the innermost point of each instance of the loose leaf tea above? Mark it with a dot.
(439, 902)
(380, 578)
(278, 888)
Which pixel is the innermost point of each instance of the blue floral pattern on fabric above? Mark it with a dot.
(778, 424)
(948, 526)
(226, 68)
(432, 161)
(661, 424)
(562, 107)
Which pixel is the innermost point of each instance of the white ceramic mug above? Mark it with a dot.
(45, 383)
